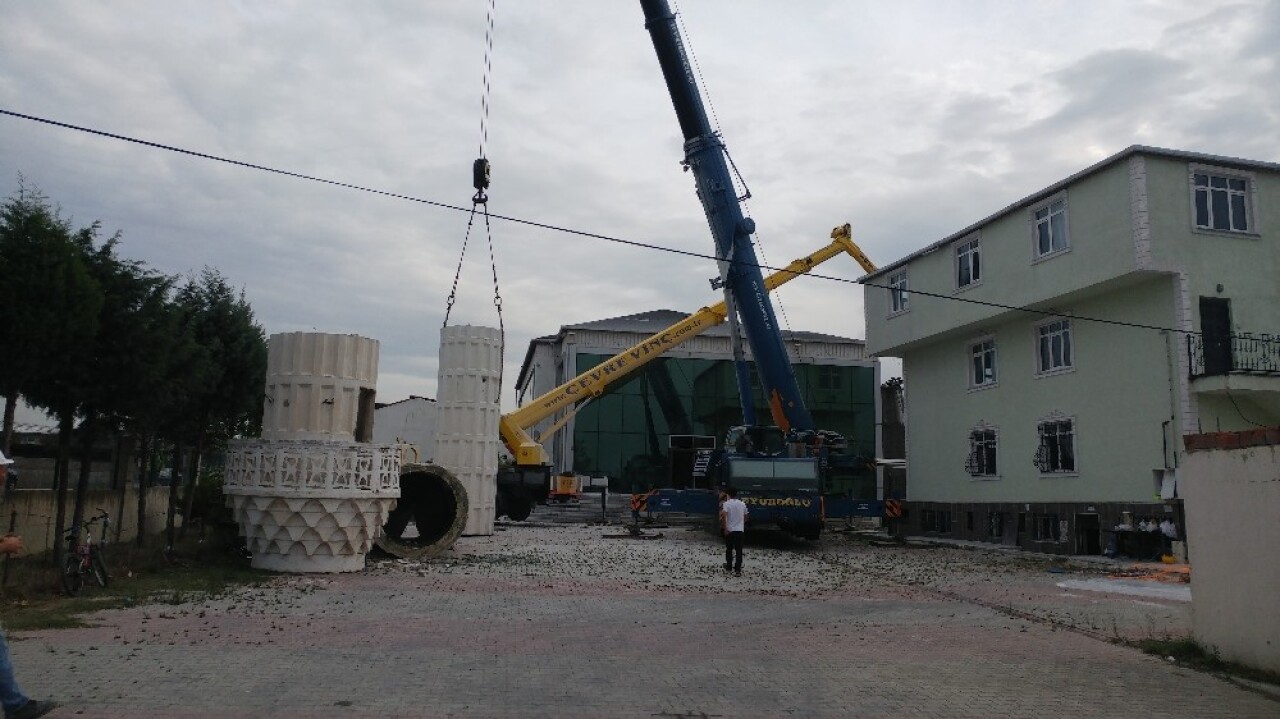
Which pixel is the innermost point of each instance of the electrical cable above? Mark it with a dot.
(595, 235)
(1233, 404)
(480, 200)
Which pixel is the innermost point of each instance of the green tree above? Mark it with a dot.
(228, 402)
(141, 358)
(51, 304)
(48, 301)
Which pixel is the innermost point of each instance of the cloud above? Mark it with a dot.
(908, 120)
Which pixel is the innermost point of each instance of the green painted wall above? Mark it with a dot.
(1117, 393)
(1101, 249)
(1127, 381)
(1246, 265)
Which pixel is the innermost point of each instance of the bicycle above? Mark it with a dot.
(86, 557)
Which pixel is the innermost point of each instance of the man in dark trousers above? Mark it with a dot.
(733, 522)
(16, 704)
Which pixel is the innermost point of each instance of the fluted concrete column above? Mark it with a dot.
(307, 497)
(314, 382)
(468, 392)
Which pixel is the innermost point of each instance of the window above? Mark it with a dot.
(968, 263)
(982, 453)
(829, 378)
(1051, 228)
(982, 364)
(1053, 347)
(936, 520)
(1057, 450)
(1222, 202)
(1046, 527)
(898, 292)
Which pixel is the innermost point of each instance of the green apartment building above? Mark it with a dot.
(1056, 352)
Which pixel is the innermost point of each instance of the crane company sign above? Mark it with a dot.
(593, 382)
(778, 501)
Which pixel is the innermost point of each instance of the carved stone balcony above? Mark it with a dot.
(310, 506)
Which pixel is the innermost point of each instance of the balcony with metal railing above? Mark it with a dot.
(1243, 368)
(1244, 353)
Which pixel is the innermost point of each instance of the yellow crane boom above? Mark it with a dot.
(514, 426)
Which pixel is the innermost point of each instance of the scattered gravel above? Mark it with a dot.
(688, 559)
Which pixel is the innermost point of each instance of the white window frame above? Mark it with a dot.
(970, 246)
(899, 292)
(976, 347)
(1058, 419)
(973, 464)
(1065, 227)
(1247, 195)
(1068, 347)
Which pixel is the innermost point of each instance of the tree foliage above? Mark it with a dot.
(49, 306)
(105, 341)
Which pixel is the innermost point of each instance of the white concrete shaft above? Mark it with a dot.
(313, 384)
(468, 393)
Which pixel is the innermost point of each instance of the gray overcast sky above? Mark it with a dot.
(908, 119)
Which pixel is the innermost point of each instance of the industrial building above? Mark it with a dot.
(646, 429)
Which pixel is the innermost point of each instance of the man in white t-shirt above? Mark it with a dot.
(733, 522)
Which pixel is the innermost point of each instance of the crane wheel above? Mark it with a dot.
(436, 502)
(518, 509)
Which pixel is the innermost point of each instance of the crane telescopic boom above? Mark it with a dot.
(705, 156)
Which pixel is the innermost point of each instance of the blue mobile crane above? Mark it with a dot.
(779, 470)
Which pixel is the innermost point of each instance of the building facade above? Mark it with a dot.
(645, 430)
(1056, 352)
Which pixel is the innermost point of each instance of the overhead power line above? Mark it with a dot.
(582, 233)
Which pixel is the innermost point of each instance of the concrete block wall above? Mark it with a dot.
(37, 510)
(1230, 484)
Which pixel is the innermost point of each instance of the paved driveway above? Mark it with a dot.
(559, 621)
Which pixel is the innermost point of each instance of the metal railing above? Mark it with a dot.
(1243, 353)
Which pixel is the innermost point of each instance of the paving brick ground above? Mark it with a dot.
(557, 621)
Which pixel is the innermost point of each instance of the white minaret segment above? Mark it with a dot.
(468, 396)
(307, 496)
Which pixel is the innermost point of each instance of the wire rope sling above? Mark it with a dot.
(480, 174)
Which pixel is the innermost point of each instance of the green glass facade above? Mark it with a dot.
(625, 434)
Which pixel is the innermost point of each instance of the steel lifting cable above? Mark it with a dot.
(715, 123)
(480, 170)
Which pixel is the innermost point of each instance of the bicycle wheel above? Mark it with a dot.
(71, 578)
(99, 568)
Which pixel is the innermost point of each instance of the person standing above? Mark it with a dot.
(733, 522)
(16, 704)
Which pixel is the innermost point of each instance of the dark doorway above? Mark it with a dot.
(685, 449)
(364, 415)
(1215, 328)
(1088, 534)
